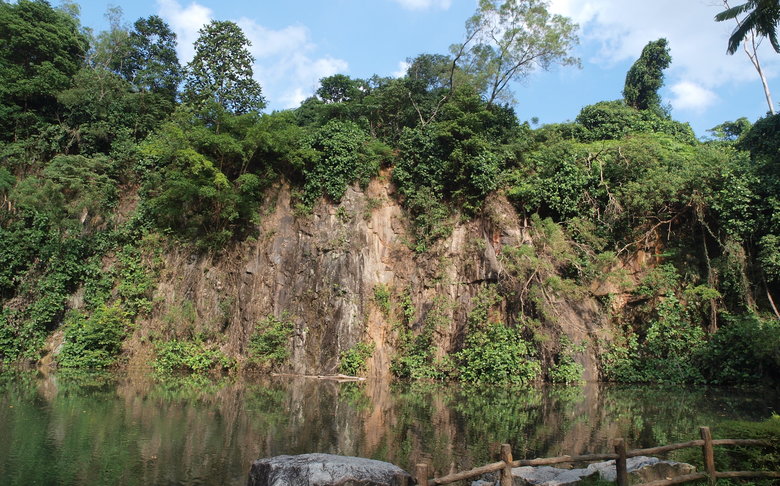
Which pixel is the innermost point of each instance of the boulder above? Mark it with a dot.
(325, 470)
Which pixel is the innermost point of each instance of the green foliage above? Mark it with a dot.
(646, 76)
(151, 63)
(136, 281)
(494, 352)
(566, 370)
(40, 49)
(497, 354)
(742, 458)
(189, 356)
(509, 40)
(743, 350)
(382, 296)
(761, 140)
(72, 191)
(731, 131)
(94, 341)
(353, 360)
(343, 157)
(118, 115)
(339, 89)
(417, 352)
(667, 348)
(760, 17)
(613, 120)
(20, 243)
(201, 190)
(221, 71)
(453, 163)
(270, 344)
(60, 268)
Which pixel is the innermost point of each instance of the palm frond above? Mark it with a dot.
(735, 11)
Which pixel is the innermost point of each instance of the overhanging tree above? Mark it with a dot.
(761, 16)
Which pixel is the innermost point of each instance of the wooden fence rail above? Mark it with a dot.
(505, 465)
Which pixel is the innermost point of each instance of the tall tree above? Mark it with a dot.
(221, 70)
(508, 39)
(646, 76)
(152, 64)
(109, 49)
(746, 35)
(40, 49)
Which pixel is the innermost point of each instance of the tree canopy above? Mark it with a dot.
(507, 40)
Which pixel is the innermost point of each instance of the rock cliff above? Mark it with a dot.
(322, 268)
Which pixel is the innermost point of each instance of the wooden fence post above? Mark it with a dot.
(621, 465)
(506, 473)
(422, 475)
(709, 456)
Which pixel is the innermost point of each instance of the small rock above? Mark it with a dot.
(325, 470)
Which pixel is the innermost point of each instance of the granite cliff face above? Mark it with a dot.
(322, 269)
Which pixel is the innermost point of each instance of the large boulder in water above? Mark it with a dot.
(325, 470)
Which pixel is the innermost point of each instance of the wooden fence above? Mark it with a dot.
(505, 465)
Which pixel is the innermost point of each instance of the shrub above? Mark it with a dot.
(94, 342)
(353, 360)
(270, 343)
(494, 352)
(497, 354)
(345, 156)
(566, 370)
(382, 297)
(189, 356)
(744, 350)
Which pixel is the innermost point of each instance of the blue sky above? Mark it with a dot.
(296, 42)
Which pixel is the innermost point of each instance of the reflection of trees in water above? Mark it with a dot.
(135, 430)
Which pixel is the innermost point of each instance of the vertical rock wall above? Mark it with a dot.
(322, 268)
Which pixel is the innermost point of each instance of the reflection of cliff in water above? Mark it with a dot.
(134, 430)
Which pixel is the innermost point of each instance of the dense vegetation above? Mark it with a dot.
(92, 124)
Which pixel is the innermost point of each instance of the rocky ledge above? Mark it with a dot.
(641, 469)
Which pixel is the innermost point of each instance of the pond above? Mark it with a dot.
(133, 429)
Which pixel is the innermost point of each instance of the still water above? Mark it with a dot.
(137, 430)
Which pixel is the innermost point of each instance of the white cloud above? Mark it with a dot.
(403, 67)
(185, 22)
(617, 30)
(285, 64)
(691, 97)
(424, 4)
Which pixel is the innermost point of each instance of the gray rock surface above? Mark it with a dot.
(549, 476)
(643, 469)
(325, 470)
(640, 469)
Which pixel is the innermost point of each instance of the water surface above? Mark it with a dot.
(137, 430)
